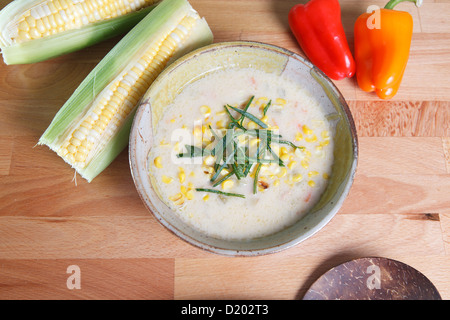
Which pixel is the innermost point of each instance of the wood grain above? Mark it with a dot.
(398, 206)
(47, 279)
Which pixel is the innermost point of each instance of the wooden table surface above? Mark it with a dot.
(398, 207)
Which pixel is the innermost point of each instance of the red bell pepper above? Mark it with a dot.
(317, 26)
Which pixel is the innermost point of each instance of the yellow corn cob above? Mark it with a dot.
(167, 32)
(36, 30)
(53, 16)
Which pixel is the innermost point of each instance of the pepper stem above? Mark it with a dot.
(391, 4)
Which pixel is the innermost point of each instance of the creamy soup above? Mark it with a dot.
(241, 154)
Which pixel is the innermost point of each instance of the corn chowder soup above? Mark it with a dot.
(242, 154)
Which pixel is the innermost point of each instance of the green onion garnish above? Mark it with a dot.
(249, 116)
(235, 158)
(220, 192)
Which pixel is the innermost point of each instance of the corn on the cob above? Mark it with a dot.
(93, 126)
(37, 30)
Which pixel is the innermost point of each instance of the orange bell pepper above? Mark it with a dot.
(382, 44)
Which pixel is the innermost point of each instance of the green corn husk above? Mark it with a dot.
(62, 42)
(152, 30)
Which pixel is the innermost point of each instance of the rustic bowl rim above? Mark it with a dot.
(269, 249)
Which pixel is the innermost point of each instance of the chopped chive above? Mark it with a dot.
(290, 144)
(220, 192)
(276, 157)
(216, 136)
(239, 161)
(255, 181)
(223, 179)
(241, 119)
(250, 116)
(219, 170)
(267, 107)
(247, 169)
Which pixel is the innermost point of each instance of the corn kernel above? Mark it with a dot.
(254, 142)
(176, 197)
(177, 147)
(282, 173)
(313, 138)
(190, 195)
(205, 110)
(197, 131)
(207, 170)
(265, 119)
(209, 160)
(305, 164)
(262, 100)
(167, 179)
(164, 143)
(181, 175)
(284, 157)
(325, 143)
(192, 174)
(252, 125)
(220, 124)
(307, 130)
(276, 183)
(297, 177)
(227, 184)
(298, 136)
(326, 176)
(325, 135)
(312, 174)
(311, 183)
(158, 162)
(280, 101)
(183, 190)
(283, 150)
(292, 164)
(206, 197)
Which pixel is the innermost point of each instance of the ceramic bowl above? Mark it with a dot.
(269, 58)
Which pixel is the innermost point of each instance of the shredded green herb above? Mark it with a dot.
(267, 107)
(236, 159)
(220, 192)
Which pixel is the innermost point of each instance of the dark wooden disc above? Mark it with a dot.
(372, 279)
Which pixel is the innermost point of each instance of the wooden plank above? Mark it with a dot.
(285, 279)
(402, 193)
(432, 17)
(27, 117)
(401, 118)
(446, 147)
(91, 279)
(417, 163)
(42, 81)
(401, 155)
(141, 237)
(6, 149)
(445, 222)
